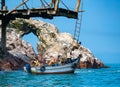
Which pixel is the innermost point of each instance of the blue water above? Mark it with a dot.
(105, 77)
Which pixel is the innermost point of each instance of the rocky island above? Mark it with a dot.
(51, 43)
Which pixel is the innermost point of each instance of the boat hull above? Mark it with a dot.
(61, 69)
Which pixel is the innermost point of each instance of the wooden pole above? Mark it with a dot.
(56, 5)
(77, 5)
(3, 28)
(3, 36)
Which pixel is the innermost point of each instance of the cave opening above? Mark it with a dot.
(32, 39)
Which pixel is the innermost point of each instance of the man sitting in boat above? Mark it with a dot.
(56, 61)
(52, 61)
(34, 62)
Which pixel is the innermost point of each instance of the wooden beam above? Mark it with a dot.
(40, 12)
(77, 5)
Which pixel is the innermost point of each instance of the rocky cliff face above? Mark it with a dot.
(18, 53)
(51, 43)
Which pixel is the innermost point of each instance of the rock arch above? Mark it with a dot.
(51, 41)
(45, 32)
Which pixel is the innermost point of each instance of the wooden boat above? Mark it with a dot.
(60, 69)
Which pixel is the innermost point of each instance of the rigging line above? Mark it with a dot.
(25, 5)
(43, 5)
(81, 5)
(81, 16)
(64, 4)
(17, 7)
(46, 3)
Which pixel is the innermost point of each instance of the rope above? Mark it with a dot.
(43, 5)
(17, 7)
(46, 3)
(25, 4)
(64, 4)
(82, 5)
(32, 4)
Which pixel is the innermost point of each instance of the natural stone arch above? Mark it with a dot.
(51, 41)
(45, 32)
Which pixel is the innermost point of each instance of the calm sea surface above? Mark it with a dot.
(106, 77)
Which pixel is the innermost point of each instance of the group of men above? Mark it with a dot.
(53, 62)
(59, 60)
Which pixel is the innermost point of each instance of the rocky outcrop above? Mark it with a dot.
(54, 43)
(18, 53)
(10, 62)
(18, 47)
(51, 43)
(88, 60)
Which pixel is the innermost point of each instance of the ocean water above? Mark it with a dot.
(105, 77)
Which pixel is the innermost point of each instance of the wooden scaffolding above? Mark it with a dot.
(6, 15)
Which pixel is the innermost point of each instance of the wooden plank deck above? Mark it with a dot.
(40, 12)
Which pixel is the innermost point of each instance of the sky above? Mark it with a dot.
(100, 30)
